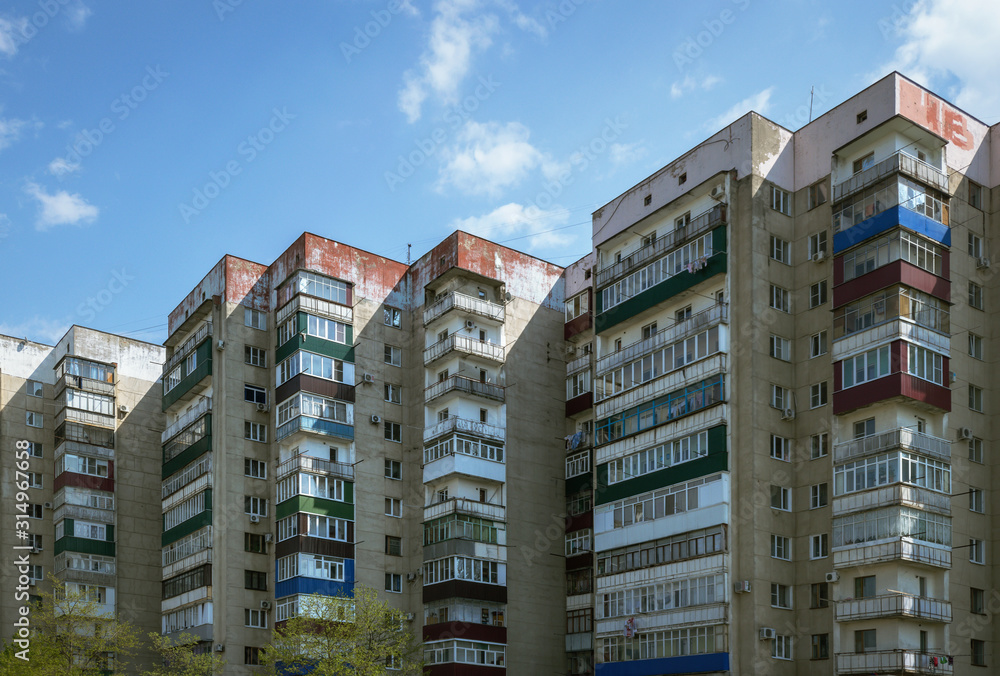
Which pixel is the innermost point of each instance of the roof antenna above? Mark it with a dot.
(408, 253)
(811, 103)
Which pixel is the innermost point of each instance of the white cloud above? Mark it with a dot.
(488, 157)
(689, 84)
(60, 167)
(759, 102)
(940, 46)
(626, 153)
(10, 34)
(76, 15)
(518, 221)
(38, 329)
(60, 208)
(5, 225)
(11, 128)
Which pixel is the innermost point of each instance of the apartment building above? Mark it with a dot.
(88, 409)
(791, 355)
(337, 418)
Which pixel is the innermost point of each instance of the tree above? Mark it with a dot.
(339, 635)
(178, 657)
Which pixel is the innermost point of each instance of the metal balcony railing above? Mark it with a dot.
(85, 384)
(863, 554)
(893, 662)
(76, 415)
(200, 409)
(896, 494)
(900, 162)
(485, 510)
(456, 424)
(306, 463)
(203, 332)
(859, 317)
(316, 306)
(580, 363)
(701, 223)
(464, 344)
(466, 385)
(894, 605)
(460, 301)
(901, 437)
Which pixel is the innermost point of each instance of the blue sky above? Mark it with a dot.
(142, 141)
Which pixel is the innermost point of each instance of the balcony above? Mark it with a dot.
(892, 662)
(888, 496)
(85, 384)
(578, 441)
(894, 605)
(306, 463)
(315, 306)
(302, 423)
(76, 415)
(702, 223)
(686, 375)
(902, 437)
(201, 408)
(203, 332)
(83, 513)
(456, 424)
(580, 363)
(457, 463)
(77, 448)
(894, 329)
(478, 388)
(465, 345)
(485, 510)
(466, 304)
(898, 549)
(718, 314)
(900, 162)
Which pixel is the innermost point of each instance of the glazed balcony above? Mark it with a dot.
(456, 424)
(703, 223)
(306, 463)
(83, 513)
(477, 307)
(579, 364)
(896, 495)
(85, 384)
(490, 391)
(901, 163)
(893, 662)
(902, 437)
(897, 549)
(76, 415)
(204, 331)
(315, 306)
(466, 345)
(894, 605)
(485, 510)
(201, 408)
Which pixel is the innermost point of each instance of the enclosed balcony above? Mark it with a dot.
(456, 424)
(204, 331)
(897, 313)
(203, 406)
(902, 437)
(307, 463)
(897, 549)
(887, 496)
(893, 662)
(76, 415)
(467, 345)
(485, 510)
(902, 163)
(469, 456)
(477, 307)
(466, 385)
(894, 605)
(580, 363)
(315, 306)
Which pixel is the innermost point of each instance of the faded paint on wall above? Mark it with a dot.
(575, 275)
(235, 279)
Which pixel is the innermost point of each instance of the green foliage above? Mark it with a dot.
(178, 657)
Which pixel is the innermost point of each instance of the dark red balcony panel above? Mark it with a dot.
(321, 546)
(580, 561)
(894, 385)
(578, 325)
(464, 589)
(321, 386)
(83, 481)
(467, 631)
(897, 272)
(579, 521)
(579, 403)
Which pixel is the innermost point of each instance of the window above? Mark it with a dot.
(817, 244)
(780, 201)
(925, 364)
(781, 498)
(394, 583)
(393, 507)
(780, 397)
(976, 450)
(781, 595)
(864, 641)
(817, 196)
(862, 116)
(255, 618)
(32, 419)
(977, 603)
(251, 655)
(975, 296)
(817, 344)
(327, 329)
(819, 595)
(393, 355)
(975, 195)
(975, 246)
(819, 495)
(864, 587)
(578, 542)
(577, 306)
(978, 650)
(394, 470)
(819, 445)
(254, 356)
(255, 579)
(819, 546)
(393, 431)
(34, 388)
(682, 222)
(254, 506)
(817, 395)
(393, 394)
(779, 298)
(254, 394)
(781, 647)
(820, 647)
(254, 543)
(256, 469)
(864, 428)
(977, 500)
(780, 250)
(868, 160)
(393, 545)
(781, 547)
(392, 317)
(781, 348)
(817, 294)
(484, 415)
(255, 319)
(976, 398)
(682, 179)
(254, 431)
(34, 511)
(781, 448)
(579, 621)
(34, 479)
(871, 365)
(34, 449)
(648, 331)
(579, 463)
(975, 346)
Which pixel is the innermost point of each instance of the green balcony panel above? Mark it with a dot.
(198, 448)
(327, 348)
(84, 546)
(196, 522)
(189, 380)
(311, 505)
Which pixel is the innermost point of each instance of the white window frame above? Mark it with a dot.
(781, 250)
(35, 388)
(781, 596)
(781, 200)
(255, 469)
(255, 356)
(781, 547)
(395, 355)
(253, 431)
(779, 298)
(33, 419)
(780, 348)
(783, 496)
(818, 344)
(255, 319)
(818, 394)
(819, 495)
(819, 546)
(394, 507)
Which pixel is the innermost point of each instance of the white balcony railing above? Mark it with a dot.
(464, 303)
(85, 384)
(315, 306)
(893, 662)
(465, 345)
(466, 385)
(84, 417)
(896, 494)
(894, 605)
(307, 463)
(900, 162)
(864, 554)
(456, 424)
(901, 437)
(484, 510)
(204, 331)
(580, 363)
(200, 409)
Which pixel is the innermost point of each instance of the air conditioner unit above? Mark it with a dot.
(469, 324)
(36, 550)
(982, 263)
(965, 433)
(570, 350)
(262, 408)
(254, 518)
(376, 419)
(221, 345)
(123, 408)
(788, 414)
(742, 586)
(219, 647)
(410, 577)
(268, 537)
(410, 617)
(47, 505)
(767, 633)
(32, 582)
(717, 191)
(818, 256)
(265, 605)
(369, 378)
(833, 577)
